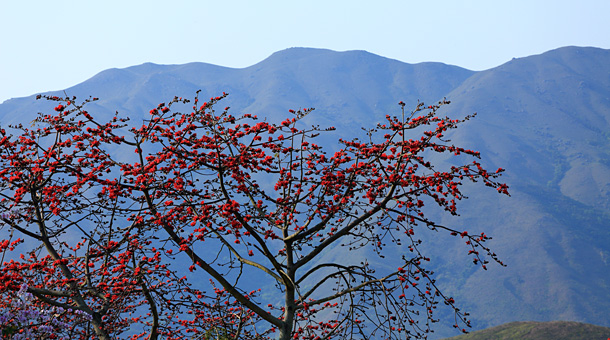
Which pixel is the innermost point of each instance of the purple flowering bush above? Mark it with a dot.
(26, 321)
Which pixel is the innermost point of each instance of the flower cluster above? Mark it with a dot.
(9, 214)
(25, 321)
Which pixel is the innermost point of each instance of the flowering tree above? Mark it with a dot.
(84, 252)
(250, 211)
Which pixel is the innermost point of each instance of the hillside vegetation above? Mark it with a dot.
(554, 330)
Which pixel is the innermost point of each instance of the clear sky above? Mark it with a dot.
(53, 44)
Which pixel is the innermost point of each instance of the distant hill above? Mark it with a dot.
(545, 118)
(554, 330)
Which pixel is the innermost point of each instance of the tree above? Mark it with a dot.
(255, 208)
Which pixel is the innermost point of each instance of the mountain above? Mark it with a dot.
(345, 87)
(545, 118)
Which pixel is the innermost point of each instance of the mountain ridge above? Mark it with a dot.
(545, 118)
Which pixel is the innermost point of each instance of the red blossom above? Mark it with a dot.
(230, 198)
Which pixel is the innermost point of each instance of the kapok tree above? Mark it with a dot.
(260, 210)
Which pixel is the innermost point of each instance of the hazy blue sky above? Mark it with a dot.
(50, 45)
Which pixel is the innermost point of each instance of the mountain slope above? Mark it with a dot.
(546, 119)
